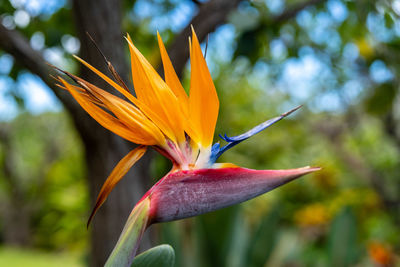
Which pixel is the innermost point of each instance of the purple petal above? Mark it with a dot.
(189, 193)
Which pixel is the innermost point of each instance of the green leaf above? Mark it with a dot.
(264, 239)
(128, 242)
(343, 239)
(239, 241)
(382, 99)
(249, 44)
(160, 256)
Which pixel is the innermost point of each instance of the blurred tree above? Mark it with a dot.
(17, 210)
(40, 157)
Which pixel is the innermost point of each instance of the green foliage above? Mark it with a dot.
(342, 240)
(264, 239)
(36, 258)
(48, 172)
(381, 102)
(158, 256)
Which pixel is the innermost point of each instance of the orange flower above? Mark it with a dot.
(380, 254)
(162, 115)
(181, 127)
(312, 215)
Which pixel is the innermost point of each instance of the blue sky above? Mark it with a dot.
(37, 96)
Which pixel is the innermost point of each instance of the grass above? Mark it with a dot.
(35, 258)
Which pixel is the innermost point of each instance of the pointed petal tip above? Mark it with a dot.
(91, 217)
(291, 111)
(194, 35)
(292, 174)
(123, 166)
(311, 169)
(128, 38)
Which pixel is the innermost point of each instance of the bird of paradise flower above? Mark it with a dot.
(180, 127)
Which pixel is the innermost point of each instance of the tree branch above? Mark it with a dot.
(18, 46)
(390, 126)
(210, 15)
(7, 163)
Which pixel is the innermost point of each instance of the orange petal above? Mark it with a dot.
(105, 119)
(126, 112)
(116, 175)
(172, 79)
(105, 78)
(174, 83)
(151, 89)
(203, 98)
(84, 94)
(130, 97)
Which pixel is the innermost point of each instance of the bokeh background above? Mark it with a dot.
(340, 59)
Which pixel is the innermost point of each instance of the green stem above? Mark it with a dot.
(125, 250)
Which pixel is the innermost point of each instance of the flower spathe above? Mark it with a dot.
(179, 126)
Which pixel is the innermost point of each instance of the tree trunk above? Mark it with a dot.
(17, 223)
(102, 20)
(15, 209)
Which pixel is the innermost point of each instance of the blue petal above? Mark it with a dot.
(216, 150)
(253, 131)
